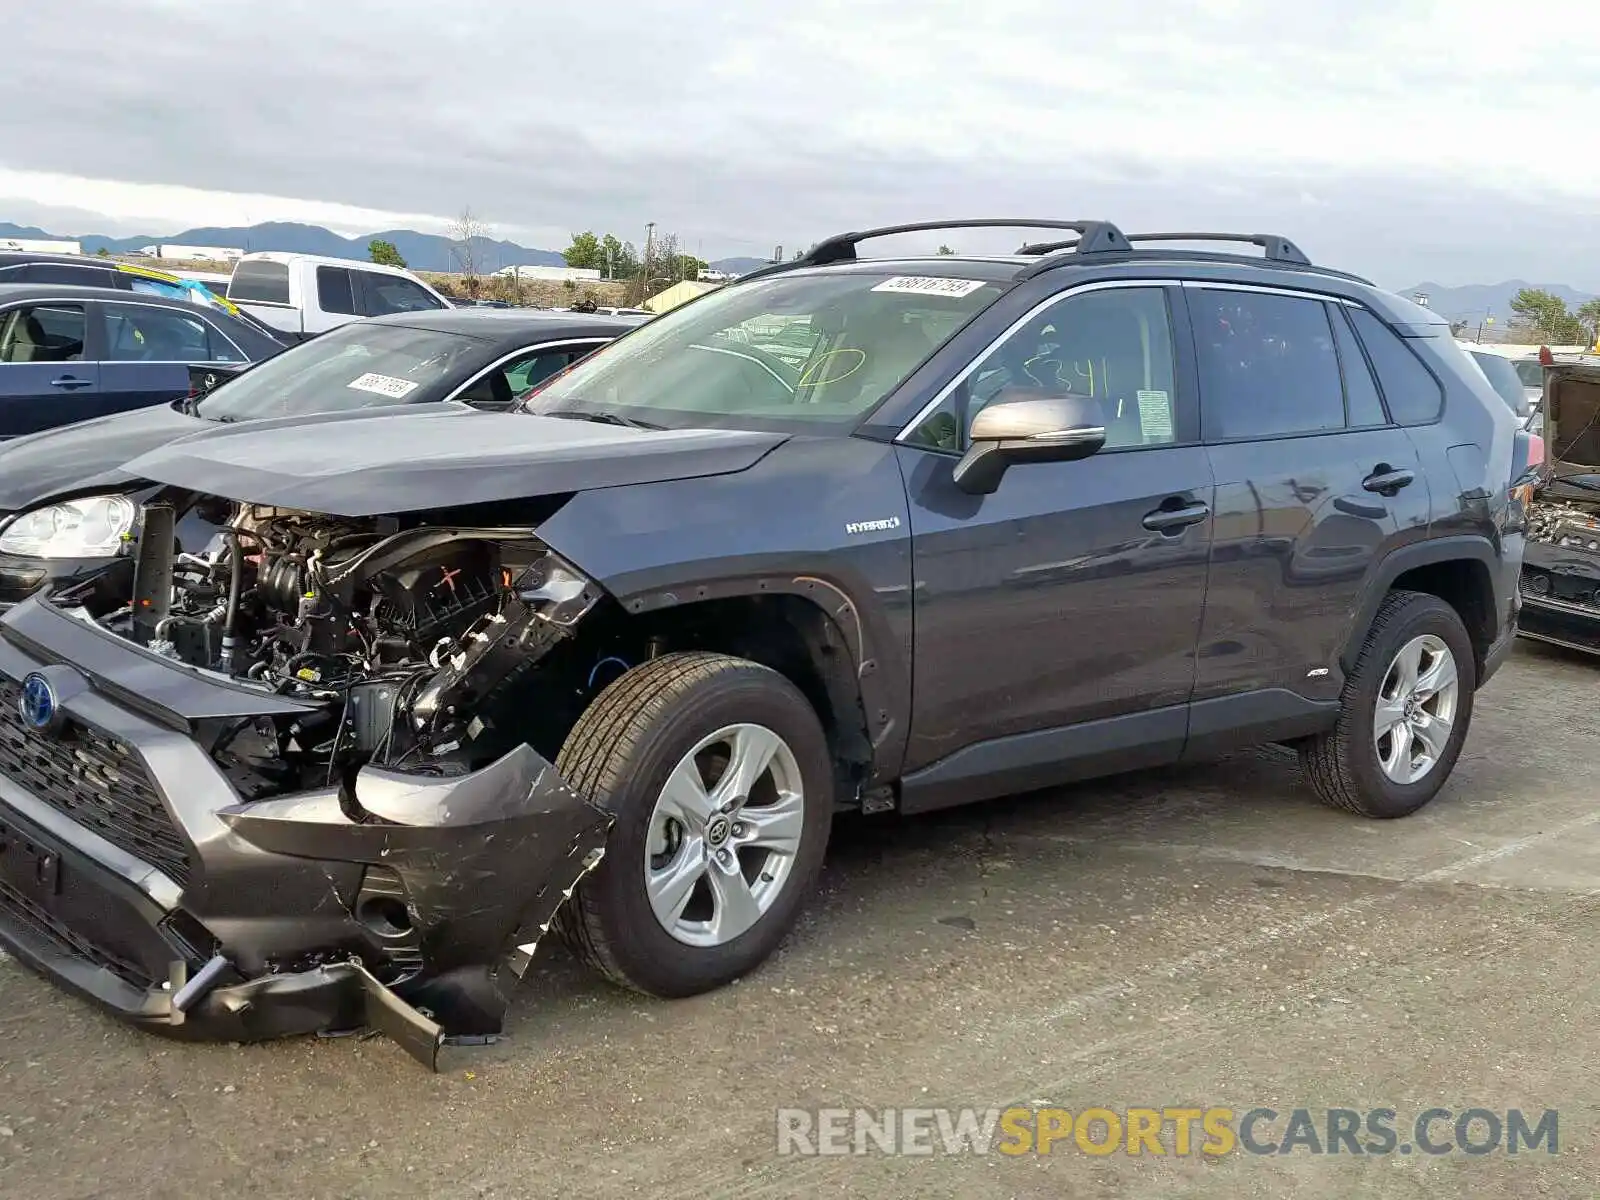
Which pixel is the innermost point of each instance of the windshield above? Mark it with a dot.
(1530, 371)
(1502, 374)
(791, 350)
(358, 365)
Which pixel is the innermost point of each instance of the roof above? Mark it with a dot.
(512, 324)
(46, 256)
(321, 260)
(75, 292)
(1100, 247)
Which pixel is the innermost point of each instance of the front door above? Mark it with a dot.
(44, 381)
(1056, 620)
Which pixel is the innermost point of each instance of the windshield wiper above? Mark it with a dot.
(599, 418)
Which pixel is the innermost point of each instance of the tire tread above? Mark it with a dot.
(594, 759)
(1326, 759)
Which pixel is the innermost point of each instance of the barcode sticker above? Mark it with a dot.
(383, 385)
(1155, 416)
(930, 285)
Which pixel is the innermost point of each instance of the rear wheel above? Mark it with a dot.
(718, 774)
(1406, 709)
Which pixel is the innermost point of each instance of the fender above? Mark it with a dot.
(822, 519)
(1462, 547)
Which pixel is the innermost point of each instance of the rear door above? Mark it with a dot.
(1314, 482)
(44, 378)
(149, 354)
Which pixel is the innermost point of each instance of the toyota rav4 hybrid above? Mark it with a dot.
(1003, 522)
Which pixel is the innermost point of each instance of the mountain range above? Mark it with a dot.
(1477, 301)
(431, 252)
(422, 251)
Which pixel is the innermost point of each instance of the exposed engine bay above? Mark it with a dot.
(411, 641)
(1561, 567)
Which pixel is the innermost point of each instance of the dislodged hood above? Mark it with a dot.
(426, 456)
(84, 456)
(1572, 415)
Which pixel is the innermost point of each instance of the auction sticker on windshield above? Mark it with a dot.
(383, 385)
(929, 285)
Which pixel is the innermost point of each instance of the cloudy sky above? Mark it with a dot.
(1452, 141)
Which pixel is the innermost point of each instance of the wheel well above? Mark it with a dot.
(789, 634)
(1464, 585)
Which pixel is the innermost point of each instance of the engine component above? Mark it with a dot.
(407, 638)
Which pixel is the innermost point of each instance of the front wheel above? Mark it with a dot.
(1406, 709)
(718, 774)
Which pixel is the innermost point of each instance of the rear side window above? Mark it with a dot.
(1268, 366)
(334, 293)
(1364, 406)
(388, 294)
(1412, 393)
(260, 281)
(68, 274)
(137, 333)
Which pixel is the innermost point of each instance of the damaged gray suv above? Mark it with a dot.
(885, 535)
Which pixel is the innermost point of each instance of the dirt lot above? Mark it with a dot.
(1206, 936)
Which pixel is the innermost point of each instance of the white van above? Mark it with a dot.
(304, 294)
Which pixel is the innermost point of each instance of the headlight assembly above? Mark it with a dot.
(93, 527)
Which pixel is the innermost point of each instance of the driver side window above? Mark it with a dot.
(1112, 346)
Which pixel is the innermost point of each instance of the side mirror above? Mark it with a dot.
(1018, 427)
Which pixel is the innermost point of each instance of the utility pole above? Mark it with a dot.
(649, 243)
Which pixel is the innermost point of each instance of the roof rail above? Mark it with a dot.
(1093, 237)
(1277, 247)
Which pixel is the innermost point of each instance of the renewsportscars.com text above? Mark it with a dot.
(1171, 1131)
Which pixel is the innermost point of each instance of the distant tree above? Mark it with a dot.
(467, 234)
(1589, 315)
(945, 250)
(610, 255)
(385, 254)
(102, 253)
(584, 253)
(1545, 315)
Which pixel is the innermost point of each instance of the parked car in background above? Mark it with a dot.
(304, 295)
(1561, 572)
(82, 271)
(1016, 520)
(64, 511)
(70, 354)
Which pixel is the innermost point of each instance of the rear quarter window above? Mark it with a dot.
(262, 282)
(1413, 395)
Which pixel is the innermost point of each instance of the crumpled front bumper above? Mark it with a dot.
(1561, 596)
(132, 872)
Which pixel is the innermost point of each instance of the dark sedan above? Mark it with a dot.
(69, 354)
(67, 507)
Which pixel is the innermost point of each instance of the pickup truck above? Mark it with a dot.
(303, 295)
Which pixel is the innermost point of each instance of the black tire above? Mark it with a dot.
(1342, 765)
(619, 756)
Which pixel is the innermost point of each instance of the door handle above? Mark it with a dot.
(1175, 520)
(69, 382)
(1387, 481)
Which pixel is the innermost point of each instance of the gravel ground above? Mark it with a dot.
(1207, 936)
